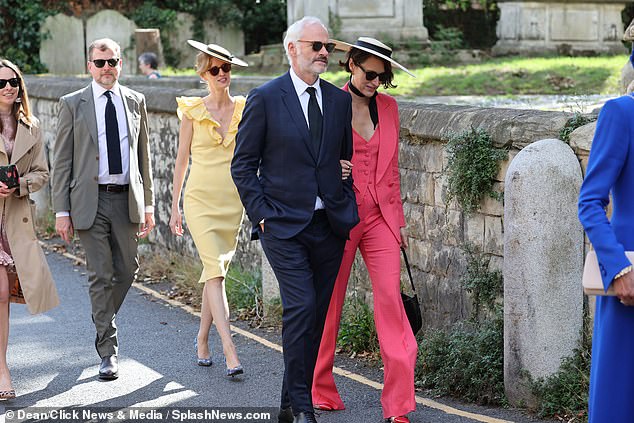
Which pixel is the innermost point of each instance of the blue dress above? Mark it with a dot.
(611, 169)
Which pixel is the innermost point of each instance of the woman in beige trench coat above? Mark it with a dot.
(20, 144)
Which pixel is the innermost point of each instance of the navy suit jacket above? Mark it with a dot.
(277, 169)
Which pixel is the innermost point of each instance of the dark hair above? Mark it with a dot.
(149, 58)
(21, 109)
(359, 56)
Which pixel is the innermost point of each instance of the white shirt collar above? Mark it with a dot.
(98, 90)
(300, 85)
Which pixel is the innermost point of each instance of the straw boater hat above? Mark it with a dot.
(218, 52)
(372, 46)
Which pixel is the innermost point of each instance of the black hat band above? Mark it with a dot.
(374, 47)
(229, 58)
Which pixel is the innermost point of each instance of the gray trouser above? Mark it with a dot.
(111, 258)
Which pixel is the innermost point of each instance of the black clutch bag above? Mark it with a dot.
(411, 305)
(9, 176)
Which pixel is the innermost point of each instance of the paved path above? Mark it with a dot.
(54, 364)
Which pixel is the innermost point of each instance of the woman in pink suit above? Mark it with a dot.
(379, 235)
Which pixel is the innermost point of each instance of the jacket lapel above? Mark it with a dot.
(129, 102)
(329, 115)
(294, 108)
(388, 137)
(24, 140)
(87, 113)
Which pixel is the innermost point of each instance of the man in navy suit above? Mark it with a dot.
(294, 131)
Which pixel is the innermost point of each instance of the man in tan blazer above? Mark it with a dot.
(102, 187)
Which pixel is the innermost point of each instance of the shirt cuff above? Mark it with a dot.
(149, 209)
(62, 214)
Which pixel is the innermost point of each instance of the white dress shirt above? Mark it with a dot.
(302, 94)
(98, 93)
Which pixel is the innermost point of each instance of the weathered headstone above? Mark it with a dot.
(112, 24)
(348, 19)
(62, 48)
(148, 40)
(228, 36)
(543, 262)
(563, 27)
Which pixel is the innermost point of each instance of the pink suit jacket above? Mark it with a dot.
(387, 177)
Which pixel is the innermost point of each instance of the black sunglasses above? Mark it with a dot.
(371, 75)
(100, 63)
(215, 70)
(14, 82)
(318, 45)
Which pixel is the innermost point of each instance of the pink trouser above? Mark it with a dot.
(381, 253)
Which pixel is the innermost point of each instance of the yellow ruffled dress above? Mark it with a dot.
(212, 207)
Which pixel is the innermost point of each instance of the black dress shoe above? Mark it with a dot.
(285, 415)
(305, 417)
(109, 368)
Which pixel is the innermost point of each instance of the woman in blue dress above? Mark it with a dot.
(611, 171)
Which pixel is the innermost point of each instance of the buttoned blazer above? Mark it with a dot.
(277, 170)
(386, 179)
(610, 173)
(76, 157)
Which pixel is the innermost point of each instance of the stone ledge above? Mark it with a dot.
(160, 93)
(424, 123)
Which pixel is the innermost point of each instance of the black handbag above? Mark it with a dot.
(411, 305)
(9, 175)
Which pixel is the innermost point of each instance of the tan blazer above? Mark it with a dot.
(35, 277)
(76, 157)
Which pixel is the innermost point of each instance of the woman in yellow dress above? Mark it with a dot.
(211, 203)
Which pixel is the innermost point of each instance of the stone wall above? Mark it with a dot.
(438, 231)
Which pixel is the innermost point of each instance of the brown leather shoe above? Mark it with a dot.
(109, 368)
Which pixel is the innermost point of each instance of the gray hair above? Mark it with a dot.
(294, 32)
(149, 58)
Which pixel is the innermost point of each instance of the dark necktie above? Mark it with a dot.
(112, 137)
(315, 118)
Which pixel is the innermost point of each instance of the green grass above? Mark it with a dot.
(511, 76)
(500, 76)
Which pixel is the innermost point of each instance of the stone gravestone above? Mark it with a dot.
(562, 27)
(229, 37)
(395, 20)
(543, 263)
(112, 24)
(62, 48)
(149, 41)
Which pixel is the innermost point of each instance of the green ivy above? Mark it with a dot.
(20, 36)
(357, 333)
(472, 166)
(576, 121)
(466, 362)
(485, 286)
(564, 394)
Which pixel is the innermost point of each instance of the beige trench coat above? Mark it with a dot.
(35, 277)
